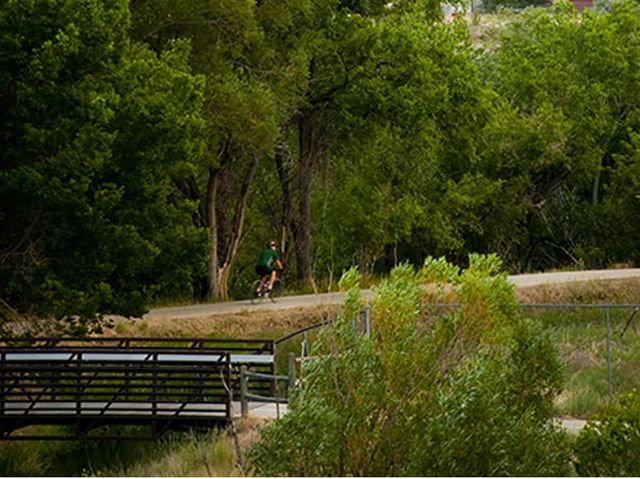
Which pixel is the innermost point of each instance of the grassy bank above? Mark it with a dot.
(582, 339)
(185, 454)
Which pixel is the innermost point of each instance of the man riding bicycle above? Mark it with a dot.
(265, 267)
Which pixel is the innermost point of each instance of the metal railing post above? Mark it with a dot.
(244, 401)
(79, 397)
(79, 386)
(367, 325)
(3, 373)
(229, 401)
(305, 345)
(292, 371)
(609, 365)
(277, 396)
(274, 383)
(154, 397)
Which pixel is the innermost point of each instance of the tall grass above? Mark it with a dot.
(582, 339)
(187, 455)
(68, 457)
(178, 454)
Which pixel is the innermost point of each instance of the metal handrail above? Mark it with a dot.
(266, 376)
(304, 330)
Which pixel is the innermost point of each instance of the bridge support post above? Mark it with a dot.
(244, 401)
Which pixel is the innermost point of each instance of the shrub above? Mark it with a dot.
(609, 444)
(468, 394)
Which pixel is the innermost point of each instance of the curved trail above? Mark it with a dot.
(288, 302)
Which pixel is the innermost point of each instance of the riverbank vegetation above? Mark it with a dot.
(150, 148)
(575, 366)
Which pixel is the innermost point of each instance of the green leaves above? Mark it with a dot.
(422, 395)
(568, 82)
(608, 444)
(94, 129)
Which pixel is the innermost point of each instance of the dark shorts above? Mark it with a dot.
(263, 270)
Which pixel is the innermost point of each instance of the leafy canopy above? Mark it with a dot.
(94, 128)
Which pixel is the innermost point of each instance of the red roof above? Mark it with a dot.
(582, 4)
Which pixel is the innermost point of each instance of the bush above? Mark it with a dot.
(469, 394)
(609, 444)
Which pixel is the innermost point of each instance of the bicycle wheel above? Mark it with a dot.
(276, 291)
(255, 296)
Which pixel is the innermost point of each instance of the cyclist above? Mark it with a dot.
(267, 261)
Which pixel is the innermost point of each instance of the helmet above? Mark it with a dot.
(272, 244)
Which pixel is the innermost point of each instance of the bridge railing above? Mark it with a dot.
(278, 395)
(154, 381)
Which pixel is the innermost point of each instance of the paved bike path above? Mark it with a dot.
(289, 302)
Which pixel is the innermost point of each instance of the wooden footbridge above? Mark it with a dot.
(166, 384)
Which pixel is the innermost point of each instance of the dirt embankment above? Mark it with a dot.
(618, 291)
(277, 323)
(248, 324)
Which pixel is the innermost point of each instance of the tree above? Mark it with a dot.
(568, 97)
(384, 92)
(239, 110)
(93, 128)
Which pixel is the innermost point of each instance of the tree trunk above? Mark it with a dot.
(595, 192)
(287, 201)
(237, 226)
(225, 236)
(213, 285)
(302, 224)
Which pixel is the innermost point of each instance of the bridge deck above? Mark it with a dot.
(104, 408)
(97, 409)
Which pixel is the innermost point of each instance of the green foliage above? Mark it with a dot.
(483, 425)
(412, 107)
(94, 130)
(143, 139)
(609, 443)
(468, 394)
(176, 454)
(565, 119)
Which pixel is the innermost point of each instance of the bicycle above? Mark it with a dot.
(259, 288)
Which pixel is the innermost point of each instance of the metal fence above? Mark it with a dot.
(617, 321)
(93, 382)
(628, 310)
(626, 315)
(249, 393)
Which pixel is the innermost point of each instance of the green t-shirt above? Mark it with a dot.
(267, 258)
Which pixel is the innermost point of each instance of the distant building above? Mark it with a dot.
(582, 4)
